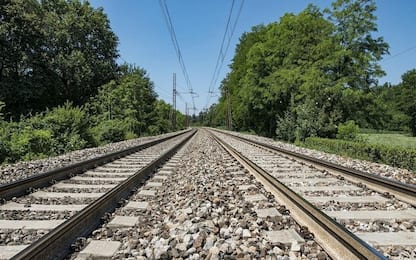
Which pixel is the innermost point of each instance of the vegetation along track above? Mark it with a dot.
(44, 224)
(381, 215)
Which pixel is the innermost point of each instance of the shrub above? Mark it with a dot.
(394, 156)
(286, 127)
(30, 144)
(6, 132)
(348, 131)
(4, 142)
(69, 127)
(109, 131)
(130, 135)
(153, 130)
(2, 105)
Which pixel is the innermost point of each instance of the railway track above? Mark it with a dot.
(376, 210)
(202, 204)
(217, 197)
(43, 223)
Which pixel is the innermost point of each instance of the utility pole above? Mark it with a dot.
(229, 122)
(186, 115)
(174, 103)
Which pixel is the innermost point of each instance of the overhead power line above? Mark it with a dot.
(400, 53)
(171, 29)
(229, 31)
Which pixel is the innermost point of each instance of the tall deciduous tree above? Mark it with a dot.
(357, 60)
(407, 102)
(307, 73)
(53, 51)
(130, 99)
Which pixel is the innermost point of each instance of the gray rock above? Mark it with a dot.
(246, 233)
(209, 242)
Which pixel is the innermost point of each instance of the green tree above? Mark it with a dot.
(357, 60)
(162, 122)
(52, 51)
(306, 73)
(275, 63)
(407, 100)
(130, 99)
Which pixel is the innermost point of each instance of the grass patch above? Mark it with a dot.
(380, 131)
(396, 156)
(392, 140)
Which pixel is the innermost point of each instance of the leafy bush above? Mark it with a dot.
(2, 105)
(109, 131)
(69, 127)
(130, 135)
(394, 156)
(4, 142)
(286, 127)
(30, 144)
(6, 132)
(348, 131)
(153, 130)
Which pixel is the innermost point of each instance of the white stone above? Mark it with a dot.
(29, 224)
(62, 185)
(246, 187)
(327, 188)
(41, 207)
(7, 252)
(159, 178)
(123, 221)
(47, 194)
(246, 233)
(401, 238)
(287, 237)
(295, 247)
(99, 249)
(187, 211)
(373, 214)
(268, 212)
(153, 185)
(147, 193)
(255, 197)
(308, 181)
(110, 174)
(347, 199)
(137, 204)
(86, 178)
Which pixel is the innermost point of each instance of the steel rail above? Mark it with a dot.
(23, 186)
(344, 241)
(401, 190)
(56, 244)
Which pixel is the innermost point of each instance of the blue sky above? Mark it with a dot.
(144, 39)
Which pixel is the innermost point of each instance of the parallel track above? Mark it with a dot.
(281, 173)
(26, 185)
(401, 190)
(56, 243)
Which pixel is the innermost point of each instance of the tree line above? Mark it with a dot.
(61, 88)
(307, 73)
